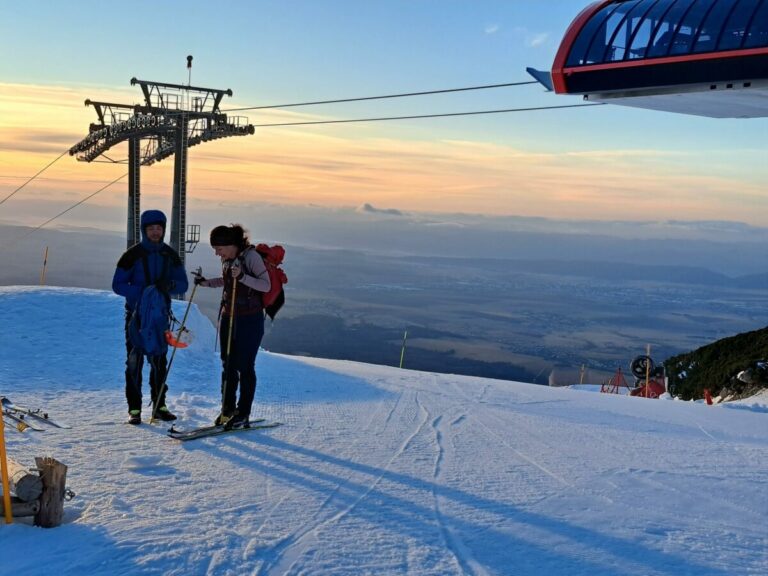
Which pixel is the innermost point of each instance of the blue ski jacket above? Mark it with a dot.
(165, 268)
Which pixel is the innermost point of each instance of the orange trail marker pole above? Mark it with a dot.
(4, 474)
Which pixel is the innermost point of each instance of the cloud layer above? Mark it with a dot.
(355, 166)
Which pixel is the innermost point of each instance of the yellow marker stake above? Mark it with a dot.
(4, 474)
(402, 351)
(648, 371)
(45, 264)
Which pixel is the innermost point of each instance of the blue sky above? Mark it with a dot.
(605, 162)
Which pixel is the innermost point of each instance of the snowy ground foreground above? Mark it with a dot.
(376, 470)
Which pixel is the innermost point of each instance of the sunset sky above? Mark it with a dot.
(603, 162)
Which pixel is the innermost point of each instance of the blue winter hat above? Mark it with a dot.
(150, 217)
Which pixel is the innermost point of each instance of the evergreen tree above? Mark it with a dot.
(715, 365)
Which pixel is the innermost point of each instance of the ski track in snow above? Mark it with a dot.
(375, 471)
(297, 543)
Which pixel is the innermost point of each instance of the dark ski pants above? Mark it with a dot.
(134, 365)
(240, 367)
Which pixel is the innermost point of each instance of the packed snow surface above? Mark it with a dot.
(375, 470)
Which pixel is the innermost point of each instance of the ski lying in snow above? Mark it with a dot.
(216, 430)
(20, 422)
(24, 412)
(211, 428)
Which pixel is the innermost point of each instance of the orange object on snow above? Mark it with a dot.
(172, 341)
(651, 389)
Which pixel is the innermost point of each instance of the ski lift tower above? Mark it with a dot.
(172, 118)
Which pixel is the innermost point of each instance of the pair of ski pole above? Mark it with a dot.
(181, 329)
(170, 362)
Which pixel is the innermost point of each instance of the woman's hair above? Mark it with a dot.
(232, 235)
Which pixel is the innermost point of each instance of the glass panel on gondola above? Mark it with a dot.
(668, 28)
(757, 37)
(618, 47)
(648, 28)
(690, 26)
(640, 39)
(617, 32)
(735, 28)
(712, 26)
(584, 51)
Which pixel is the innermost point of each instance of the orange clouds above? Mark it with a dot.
(350, 165)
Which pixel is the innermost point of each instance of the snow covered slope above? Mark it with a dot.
(376, 470)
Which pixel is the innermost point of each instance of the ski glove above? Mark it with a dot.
(236, 270)
(199, 279)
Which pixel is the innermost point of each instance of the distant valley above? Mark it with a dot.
(536, 320)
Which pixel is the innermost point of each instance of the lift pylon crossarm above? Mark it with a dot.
(102, 107)
(148, 87)
(191, 114)
(102, 138)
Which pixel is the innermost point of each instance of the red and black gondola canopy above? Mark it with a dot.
(701, 57)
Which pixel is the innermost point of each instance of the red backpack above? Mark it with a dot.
(273, 258)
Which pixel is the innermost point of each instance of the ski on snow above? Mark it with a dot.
(216, 430)
(28, 416)
(19, 422)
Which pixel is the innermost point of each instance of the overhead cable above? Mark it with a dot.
(35, 176)
(317, 122)
(506, 110)
(403, 95)
(115, 181)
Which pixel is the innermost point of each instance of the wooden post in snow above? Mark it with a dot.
(54, 476)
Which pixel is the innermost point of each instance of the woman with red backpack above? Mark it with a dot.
(244, 280)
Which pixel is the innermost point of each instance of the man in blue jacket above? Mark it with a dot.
(150, 262)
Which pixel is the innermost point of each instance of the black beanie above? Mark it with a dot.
(227, 236)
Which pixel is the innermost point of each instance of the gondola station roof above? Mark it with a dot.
(701, 57)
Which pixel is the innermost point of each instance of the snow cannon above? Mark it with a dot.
(650, 380)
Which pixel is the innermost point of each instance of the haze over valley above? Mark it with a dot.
(512, 298)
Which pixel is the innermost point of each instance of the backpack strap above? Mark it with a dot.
(165, 272)
(147, 275)
(248, 300)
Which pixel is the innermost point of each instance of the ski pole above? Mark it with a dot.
(229, 343)
(170, 362)
(222, 305)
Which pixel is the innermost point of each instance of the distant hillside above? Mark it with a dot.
(612, 270)
(712, 366)
(757, 281)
